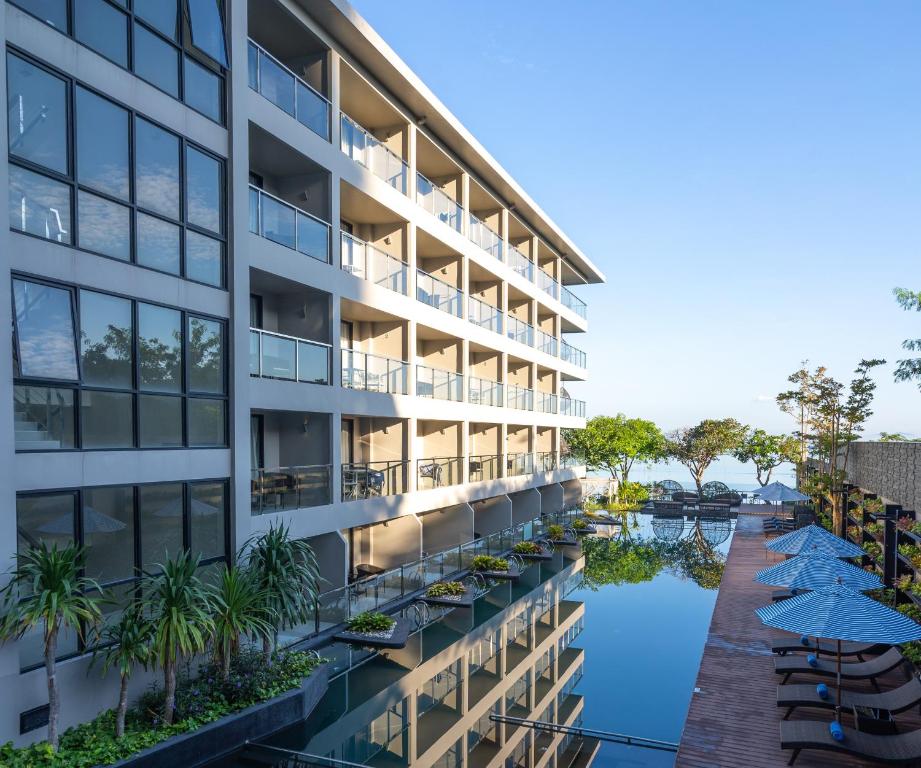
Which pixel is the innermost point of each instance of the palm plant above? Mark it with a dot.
(238, 608)
(123, 646)
(286, 571)
(46, 590)
(179, 608)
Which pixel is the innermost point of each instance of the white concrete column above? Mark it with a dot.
(465, 202)
(412, 134)
(335, 98)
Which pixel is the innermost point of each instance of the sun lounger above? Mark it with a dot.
(805, 695)
(783, 646)
(897, 749)
(827, 667)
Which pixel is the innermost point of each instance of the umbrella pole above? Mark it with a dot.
(838, 692)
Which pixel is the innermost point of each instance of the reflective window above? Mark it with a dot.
(156, 61)
(204, 190)
(208, 29)
(102, 144)
(160, 14)
(158, 244)
(203, 259)
(49, 517)
(103, 28)
(160, 421)
(160, 348)
(106, 419)
(39, 205)
(44, 418)
(161, 513)
(206, 355)
(53, 12)
(106, 337)
(36, 107)
(156, 169)
(108, 532)
(206, 518)
(207, 420)
(204, 90)
(44, 331)
(103, 226)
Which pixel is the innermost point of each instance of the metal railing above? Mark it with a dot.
(373, 154)
(519, 464)
(484, 392)
(571, 407)
(519, 330)
(290, 93)
(282, 223)
(519, 397)
(372, 264)
(438, 203)
(485, 467)
(573, 302)
(519, 262)
(374, 373)
(365, 480)
(439, 384)
(617, 738)
(278, 356)
(484, 315)
(545, 461)
(545, 342)
(439, 471)
(547, 284)
(546, 402)
(480, 233)
(286, 488)
(439, 294)
(573, 355)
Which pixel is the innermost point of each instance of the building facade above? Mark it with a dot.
(257, 272)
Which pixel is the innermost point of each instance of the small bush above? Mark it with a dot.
(446, 589)
(370, 621)
(488, 563)
(527, 548)
(579, 525)
(556, 532)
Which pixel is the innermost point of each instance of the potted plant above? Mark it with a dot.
(446, 590)
(489, 564)
(556, 532)
(372, 623)
(527, 548)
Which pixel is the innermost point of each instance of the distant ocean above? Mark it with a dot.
(738, 476)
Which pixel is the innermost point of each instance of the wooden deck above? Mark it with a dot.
(733, 719)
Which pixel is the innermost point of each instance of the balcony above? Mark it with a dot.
(374, 373)
(364, 261)
(519, 397)
(480, 234)
(373, 154)
(438, 294)
(547, 284)
(484, 315)
(520, 263)
(373, 478)
(282, 223)
(287, 488)
(484, 392)
(438, 384)
(279, 85)
(571, 407)
(438, 203)
(485, 467)
(570, 354)
(438, 472)
(573, 302)
(277, 356)
(546, 461)
(545, 342)
(520, 464)
(546, 402)
(519, 331)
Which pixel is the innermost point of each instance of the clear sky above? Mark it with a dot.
(747, 174)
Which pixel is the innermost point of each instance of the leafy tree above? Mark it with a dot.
(615, 443)
(239, 608)
(897, 437)
(124, 646)
(699, 446)
(767, 452)
(909, 369)
(46, 590)
(180, 611)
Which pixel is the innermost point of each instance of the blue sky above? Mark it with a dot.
(746, 174)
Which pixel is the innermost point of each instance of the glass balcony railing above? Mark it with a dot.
(439, 471)
(520, 263)
(545, 461)
(485, 467)
(273, 80)
(572, 355)
(519, 330)
(437, 293)
(546, 402)
(282, 223)
(573, 302)
(519, 464)
(369, 263)
(287, 488)
(277, 356)
(374, 373)
(373, 478)
(547, 284)
(480, 233)
(438, 384)
(518, 397)
(545, 342)
(438, 203)
(484, 315)
(571, 407)
(484, 392)
(373, 154)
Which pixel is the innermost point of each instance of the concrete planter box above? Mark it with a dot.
(397, 639)
(224, 736)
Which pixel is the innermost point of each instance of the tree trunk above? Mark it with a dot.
(698, 480)
(122, 708)
(267, 649)
(169, 686)
(54, 705)
(225, 663)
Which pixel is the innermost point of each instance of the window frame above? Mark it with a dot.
(75, 186)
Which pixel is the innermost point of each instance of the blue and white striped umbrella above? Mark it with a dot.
(813, 539)
(777, 491)
(813, 571)
(839, 613)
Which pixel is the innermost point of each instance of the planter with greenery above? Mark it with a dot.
(873, 549)
(582, 527)
(489, 564)
(375, 629)
(449, 593)
(531, 550)
(558, 535)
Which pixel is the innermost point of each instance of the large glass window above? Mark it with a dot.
(102, 145)
(108, 532)
(44, 418)
(106, 339)
(49, 518)
(160, 348)
(158, 244)
(207, 420)
(36, 107)
(206, 355)
(208, 29)
(156, 60)
(160, 421)
(103, 226)
(203, 258)
(161, 512)
(102, 27)
(52, 12)
(204, 90)
(204, 190)
(206, 518)
(39, 206)
(44, 331)
(106, 419)
(157, 169)
(160, 14)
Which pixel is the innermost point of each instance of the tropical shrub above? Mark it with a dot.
(239, 607)
(527, 548)
(446, 589)
(579, 525)
(370, 621)
(488, 563)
